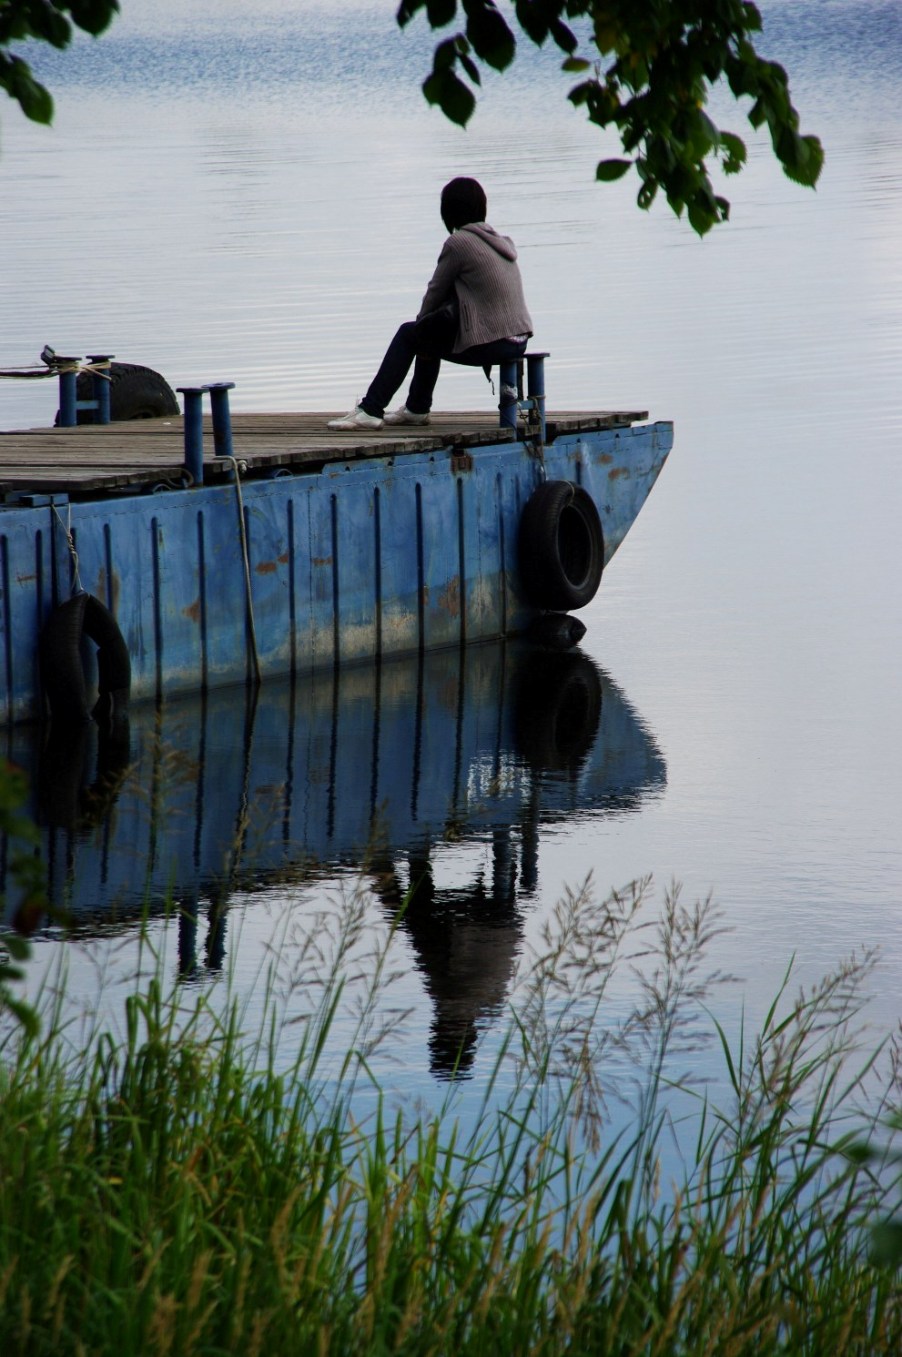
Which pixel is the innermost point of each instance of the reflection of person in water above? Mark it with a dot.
(466, 943)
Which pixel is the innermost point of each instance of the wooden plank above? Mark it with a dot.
(135, 455)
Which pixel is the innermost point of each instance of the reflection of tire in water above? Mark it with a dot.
(67, 798)
(557, 710)
(136, 392)
(555, 631)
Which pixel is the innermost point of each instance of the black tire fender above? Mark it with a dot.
(62, 671)
(136, 392)
(560, 547)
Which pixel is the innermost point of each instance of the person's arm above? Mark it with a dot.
(441, 284)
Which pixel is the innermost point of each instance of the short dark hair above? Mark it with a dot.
(463, 201)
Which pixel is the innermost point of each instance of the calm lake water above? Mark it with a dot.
(255, 200)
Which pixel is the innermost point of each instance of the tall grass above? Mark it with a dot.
(175, 1189)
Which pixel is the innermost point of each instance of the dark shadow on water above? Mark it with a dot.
(373, 768)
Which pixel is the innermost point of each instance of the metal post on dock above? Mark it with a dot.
(100, 383)
(512, 399)
(194, 431)
(535, 386)
(68, 416)
(222, 420)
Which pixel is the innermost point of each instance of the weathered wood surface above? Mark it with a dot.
(136, 455)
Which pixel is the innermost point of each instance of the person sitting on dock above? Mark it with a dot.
(473, 313)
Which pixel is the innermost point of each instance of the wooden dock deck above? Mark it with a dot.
(139, 455)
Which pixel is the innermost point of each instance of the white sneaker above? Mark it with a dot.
(405, 416)
(356, 419)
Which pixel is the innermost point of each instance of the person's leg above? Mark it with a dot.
(394, 368)
(426, 370)
(402, 351)
(425, 376)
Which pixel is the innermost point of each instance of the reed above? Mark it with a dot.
(173, 1189)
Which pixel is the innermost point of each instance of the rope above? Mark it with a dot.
(55, 370)
(247, 567)
(77, 586)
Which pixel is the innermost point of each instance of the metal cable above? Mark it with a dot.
(55, 369)
(77, 587)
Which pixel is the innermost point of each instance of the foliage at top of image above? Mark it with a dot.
(47, 21)
(646, 69)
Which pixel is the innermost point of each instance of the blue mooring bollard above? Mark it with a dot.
(194, 425)
(68, 415)
(535, 386)
(194, 431)
(100, 385)
(222, 419)
(68, 384)
(512, 400)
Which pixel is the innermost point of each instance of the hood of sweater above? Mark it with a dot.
(503, 245)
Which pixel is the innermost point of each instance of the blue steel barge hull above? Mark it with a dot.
(353, 559)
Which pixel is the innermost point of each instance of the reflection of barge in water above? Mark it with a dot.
(292, 547)
(204, 795)
(377, 768)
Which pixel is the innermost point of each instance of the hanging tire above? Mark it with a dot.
(560, 547)
(62, 671)
(136, 392)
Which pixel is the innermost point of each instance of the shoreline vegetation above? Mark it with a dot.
(174, 1188)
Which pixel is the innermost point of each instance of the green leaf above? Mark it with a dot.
(802, 157)
(859, 1153)
(24, 1013)
(489, 34)
(447, 52)
(470, 67)
(452, 96)
(50, 26)
(18, 948)
(757, 113)
(563, 36)
(533, 21)
(814, 161)
(608, 170)
(733, 152)
(707, 133)
(647, 194)
(576, 65)
(580, 94)
(34, 99)
(406, 11)
(886, 1242)
(441, 12)
(93, 15)
(701, 218)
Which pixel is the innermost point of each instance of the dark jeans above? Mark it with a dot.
(402, 351)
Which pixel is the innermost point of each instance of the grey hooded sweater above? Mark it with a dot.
(480, 265)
